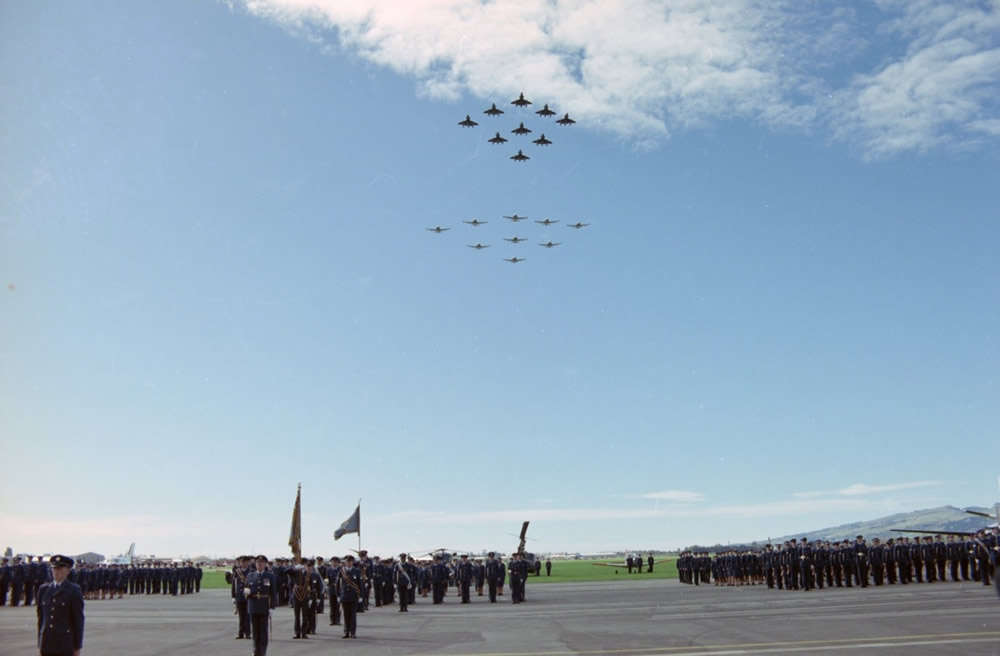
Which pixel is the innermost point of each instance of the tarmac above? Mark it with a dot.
(626, 618)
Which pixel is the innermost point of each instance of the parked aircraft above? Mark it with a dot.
(468, 122)
(521, 130)
(515, 218)
(546, 222)
(438, 229)
(122, 559)
(542, 141)
(520, 101)
(493, 111)
(577, 225)
(515, 239)
(475, 222)
(520, 157)
(545, 111)
(514, 260)
(550, 243)
(478, 246)
(566, 120)
(497, 139)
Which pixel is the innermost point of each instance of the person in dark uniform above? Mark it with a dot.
(60, 612)
(239, 584)
(492, 573)
(650, 561)
(332, 574)
(439, 579)
(301, 599)
(262, 595)
(351, 595)
(402, 580)
(465, 577)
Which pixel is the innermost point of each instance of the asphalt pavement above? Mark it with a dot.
(627, 618)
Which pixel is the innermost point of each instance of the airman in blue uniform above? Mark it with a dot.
(351, 595)
(60, 612)
(262, 595)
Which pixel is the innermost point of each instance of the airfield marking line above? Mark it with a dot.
(777, 647)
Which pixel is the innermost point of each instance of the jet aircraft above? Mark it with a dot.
(514, 260)
(521, 130)
(468, 122)
(497, 139)
(515, 239)
(475, 222)
(542, 141)
(438, 229)
(493, 111)
(546, 222)
(520, 101)
(550, 243)
(577, 225)
(122, 559)
(520, 157)
(515, 218)
(545, 111)
(566, 120)
(478, 246)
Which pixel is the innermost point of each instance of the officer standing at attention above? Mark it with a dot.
(239, 583)
(60, 612)
(351, 595)
(262, 595)
(402, 580)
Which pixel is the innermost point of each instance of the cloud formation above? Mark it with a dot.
(862, 489)
(641, 68)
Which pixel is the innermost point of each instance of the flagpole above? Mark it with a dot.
(359, 528)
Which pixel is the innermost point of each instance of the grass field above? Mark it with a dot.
(563, 571)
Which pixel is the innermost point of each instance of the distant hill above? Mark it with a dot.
(945, 519)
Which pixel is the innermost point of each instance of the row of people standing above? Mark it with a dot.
(804, 565)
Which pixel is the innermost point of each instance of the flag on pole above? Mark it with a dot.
(351, 525)
(295, 535)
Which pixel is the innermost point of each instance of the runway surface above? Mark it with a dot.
(628, 618)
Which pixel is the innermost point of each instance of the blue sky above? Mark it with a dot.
(218, 281)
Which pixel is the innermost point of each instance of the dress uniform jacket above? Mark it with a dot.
(60, 618)
(263, 592)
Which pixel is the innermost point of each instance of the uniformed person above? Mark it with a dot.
(60, 612)
(332, 574)
(402, 580)
(351, 595)
(262, 595)
(239, 584)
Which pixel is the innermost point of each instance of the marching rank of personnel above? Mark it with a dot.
(805, 565)
(21, 578)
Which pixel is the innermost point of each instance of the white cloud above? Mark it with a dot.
(642, 68)
(672, 495)
(862, 489)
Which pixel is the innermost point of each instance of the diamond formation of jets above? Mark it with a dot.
(515, 239)
(468, 122)
(521, 130)
(497, 139)
(520, 157)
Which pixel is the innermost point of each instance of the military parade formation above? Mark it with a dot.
(805, 565)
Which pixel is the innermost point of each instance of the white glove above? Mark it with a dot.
(246, 592)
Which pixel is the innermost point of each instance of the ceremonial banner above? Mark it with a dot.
(295, 536)
(351, 525)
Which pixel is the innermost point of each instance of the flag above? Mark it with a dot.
(351, 525)
(295, 535)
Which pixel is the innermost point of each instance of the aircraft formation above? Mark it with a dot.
(521, 130)
(527, 137)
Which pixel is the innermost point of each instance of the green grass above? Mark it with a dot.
(563, 571)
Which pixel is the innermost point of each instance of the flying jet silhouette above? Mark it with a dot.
(545, 111)
(566, 120)
(493, 111)
(468, 122)
(521, 129)
(514, 260)
(515, 218)
(542, 141)
(520, 157)
(515, 239)
(550, 243)
(497, 139)
(475, 222)
(478, 246)
(546, 222)
(520, 101)
(577, 225)
(438, 229)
